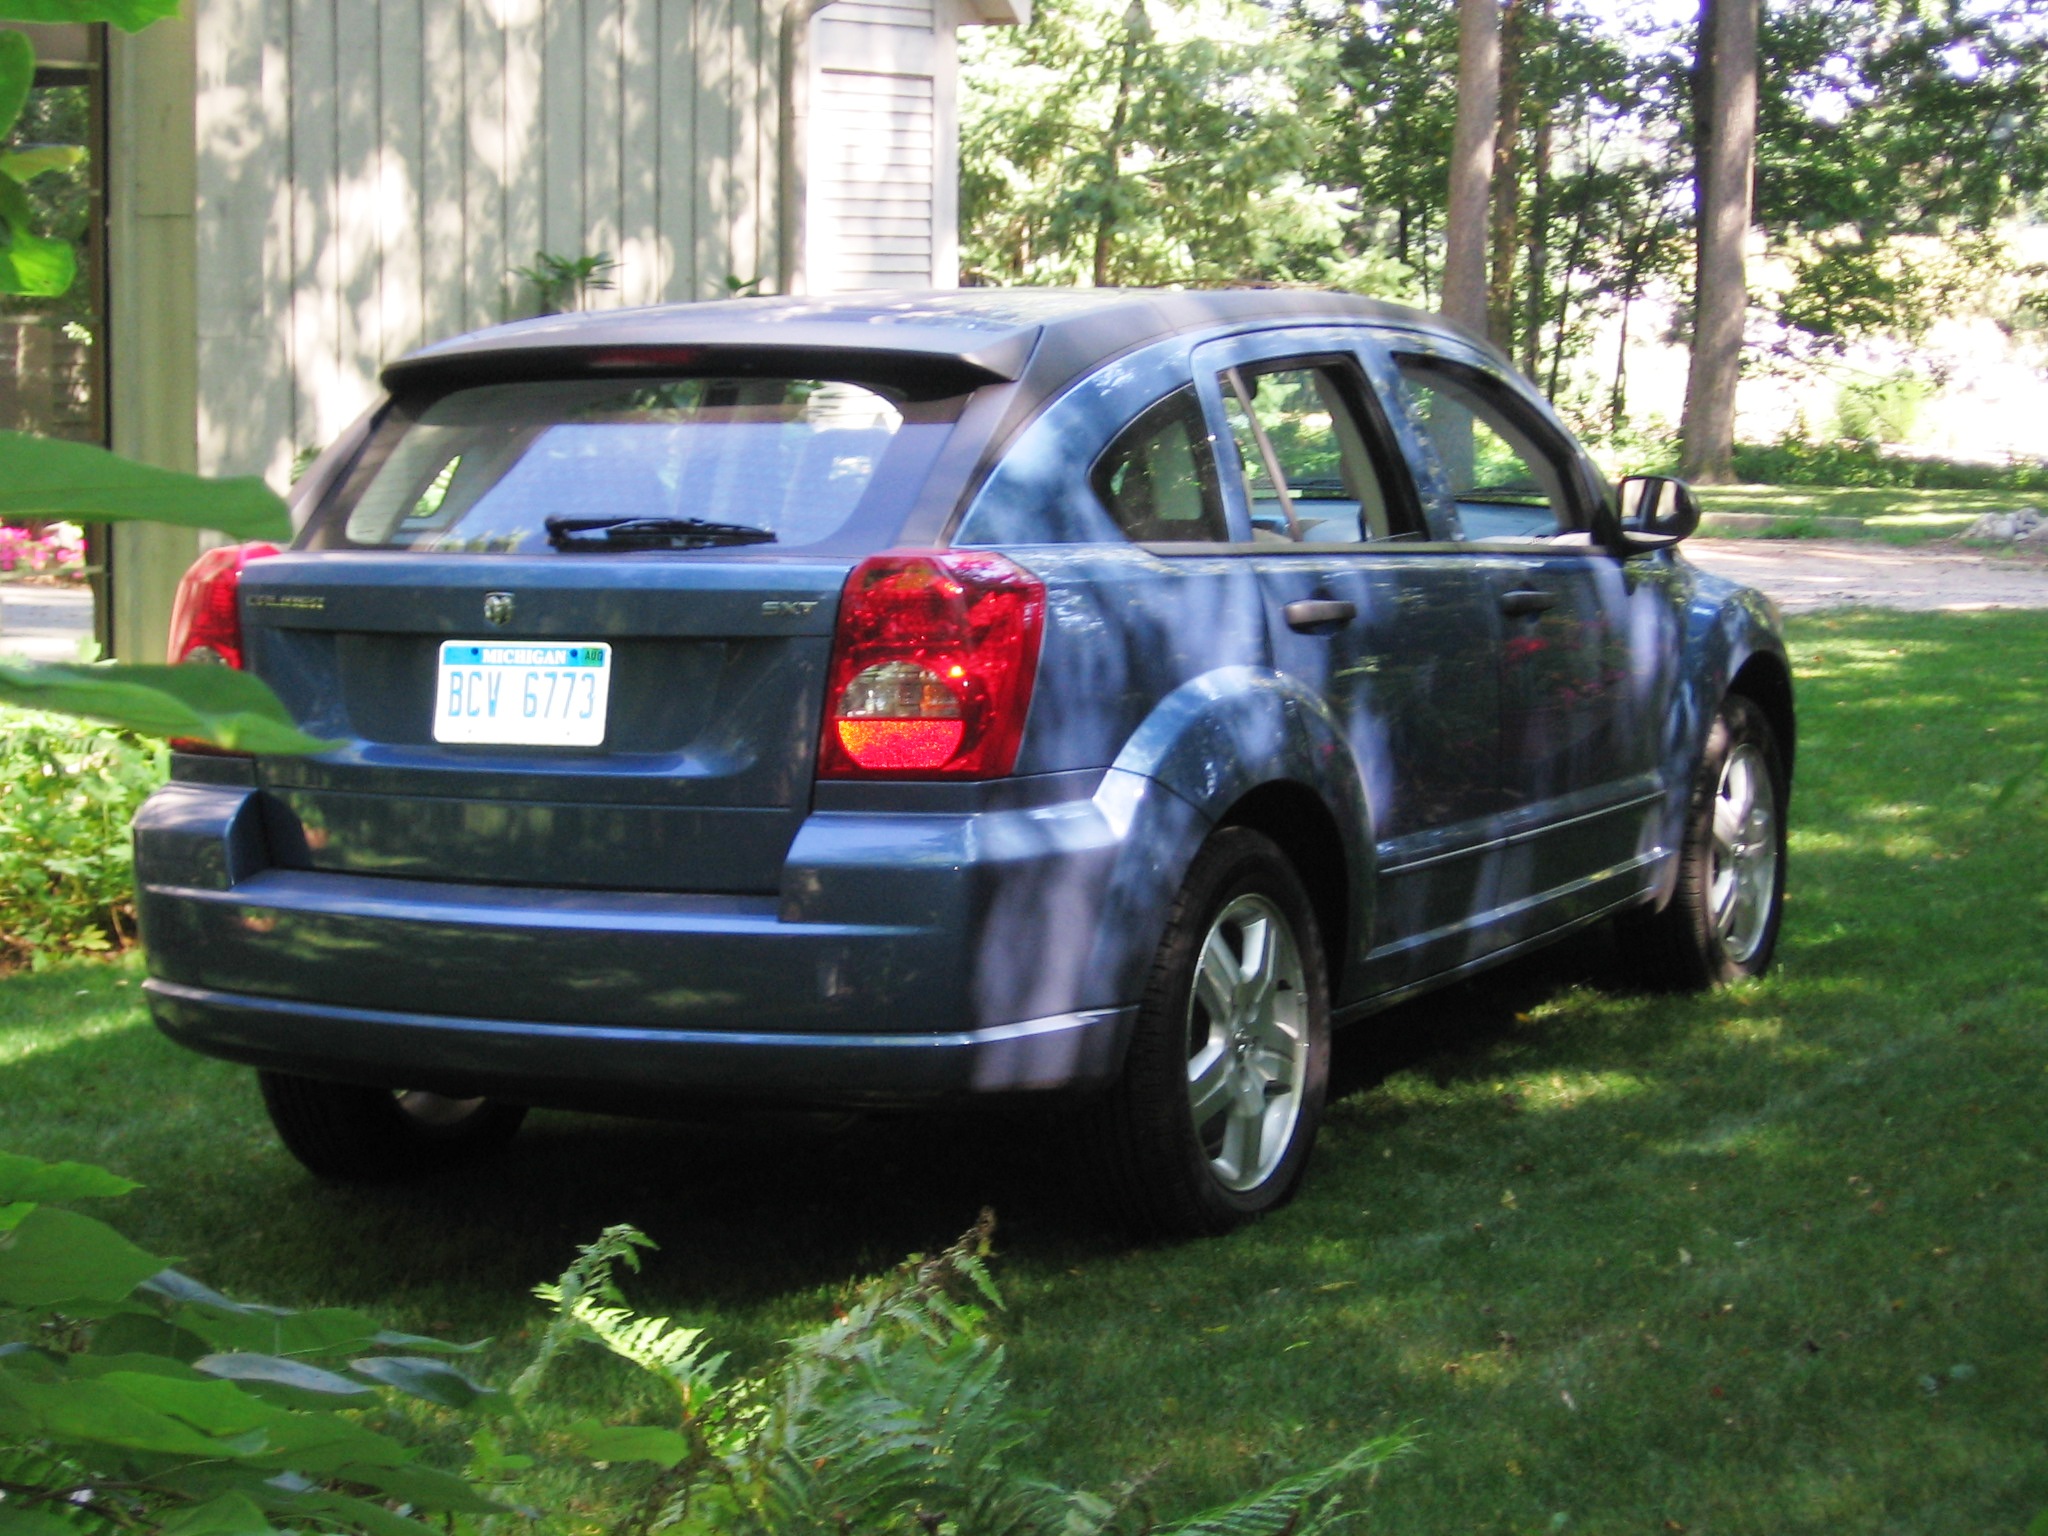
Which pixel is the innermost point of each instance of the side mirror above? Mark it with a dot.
(1656, 512)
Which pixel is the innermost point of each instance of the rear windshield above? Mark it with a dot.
(480, 471)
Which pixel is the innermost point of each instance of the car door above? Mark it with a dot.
(1393, 629)
(1588, 649)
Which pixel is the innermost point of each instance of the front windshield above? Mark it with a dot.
(481, 471)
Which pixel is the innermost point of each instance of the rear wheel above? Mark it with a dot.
(1222, 1090)
(373, 1135)
(1721, 923)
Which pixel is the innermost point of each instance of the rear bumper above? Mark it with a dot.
(908, 957)
(597, 1067)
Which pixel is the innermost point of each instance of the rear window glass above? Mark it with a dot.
(480, 471)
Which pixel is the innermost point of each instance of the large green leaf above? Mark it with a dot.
(28, 1178)
(128, 15)
(220, 705)
(230, 1514)
(103, 1413)
(291, 1382)
(32, 1522)
(433, 1380)
(628, 1442)
(31, 163)
(17, 74)
(30, 264)
(425, 1488)
(56, 1256)
(43, 477)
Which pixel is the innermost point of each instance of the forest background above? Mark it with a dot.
(1898, 259)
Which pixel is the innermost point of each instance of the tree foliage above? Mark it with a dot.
(1307, 141)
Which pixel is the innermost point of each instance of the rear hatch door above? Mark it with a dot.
(528, 695)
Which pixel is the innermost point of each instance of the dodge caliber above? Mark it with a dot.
(899, 699)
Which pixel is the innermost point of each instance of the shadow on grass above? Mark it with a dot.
(746, 1203)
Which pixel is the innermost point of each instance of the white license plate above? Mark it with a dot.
(523, 695)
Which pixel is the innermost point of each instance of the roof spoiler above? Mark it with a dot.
(922, 373)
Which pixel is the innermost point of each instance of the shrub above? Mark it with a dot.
(1792, 462)
(68, 790)
(1881, 410)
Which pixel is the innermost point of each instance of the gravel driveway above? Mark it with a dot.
(1804, 575)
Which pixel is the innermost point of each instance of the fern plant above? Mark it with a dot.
(893, 1417)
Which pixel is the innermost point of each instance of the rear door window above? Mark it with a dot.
(480, 471)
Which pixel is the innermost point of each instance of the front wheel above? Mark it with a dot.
(1721, 923)
(1211, 1123)
(374, 1135)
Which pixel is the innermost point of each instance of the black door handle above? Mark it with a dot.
(1526, 600)
(1318, 613)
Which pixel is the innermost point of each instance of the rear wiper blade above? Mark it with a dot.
(571, 533)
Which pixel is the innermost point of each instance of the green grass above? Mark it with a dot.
(1764, 1262)
(1899, 515)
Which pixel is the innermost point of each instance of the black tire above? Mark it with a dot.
(1721, 923)
(1157, 1170)
(352, 1134)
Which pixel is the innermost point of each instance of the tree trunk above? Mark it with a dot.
(1137, 27)
(1507, 181)
(1726, 93)
(1464, 296)
(1537, 280)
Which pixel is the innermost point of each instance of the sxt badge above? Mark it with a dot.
(779, 608)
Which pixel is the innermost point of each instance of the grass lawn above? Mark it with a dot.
(1899, 515)
(1767, 1262)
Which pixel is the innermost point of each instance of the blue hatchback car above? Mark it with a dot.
(904, 698)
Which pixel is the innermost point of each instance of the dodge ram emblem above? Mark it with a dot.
(498, 608)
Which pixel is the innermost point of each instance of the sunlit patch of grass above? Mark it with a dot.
(1899, 515)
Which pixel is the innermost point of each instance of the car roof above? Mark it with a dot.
(943, 341)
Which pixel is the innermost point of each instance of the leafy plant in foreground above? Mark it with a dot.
(894, 1417)
(133, 1398)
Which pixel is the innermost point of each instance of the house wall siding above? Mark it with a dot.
(370, 172)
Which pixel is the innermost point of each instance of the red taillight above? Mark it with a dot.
(932, 667)
(206, 624)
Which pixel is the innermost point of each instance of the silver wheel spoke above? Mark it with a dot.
(1209, 1083)
(1217, 980)
(1256, 973)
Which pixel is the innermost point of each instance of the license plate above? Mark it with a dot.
(523, 695)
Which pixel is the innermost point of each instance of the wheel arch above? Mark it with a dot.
(1253, 747)
(1766, 681)
(1302, 827)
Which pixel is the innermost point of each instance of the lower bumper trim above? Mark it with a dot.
(575, 1066)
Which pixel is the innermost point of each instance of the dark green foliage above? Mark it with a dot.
(1860, 464)
(133, 1398)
